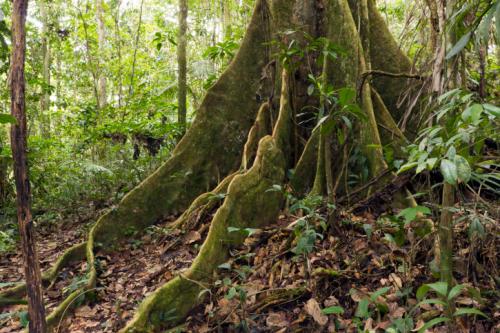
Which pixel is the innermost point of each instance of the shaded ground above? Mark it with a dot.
(266, 287)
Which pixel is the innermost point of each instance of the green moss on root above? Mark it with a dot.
(172, 302)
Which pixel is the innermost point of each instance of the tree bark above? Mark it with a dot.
(36, 308)
(45, 100)
(101, 37)
(182, 66)
(446, 234)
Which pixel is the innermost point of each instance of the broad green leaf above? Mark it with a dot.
(459, 46)
(233, 229)
(346, 96)
(464, 171)
(431, 163)
(333, 310)
(449, 171)
(472, 113)
(431, 323)
(409, 214)
(6, 118)
(469, 311)
(440, 287)
(485, 25)
(455, 291)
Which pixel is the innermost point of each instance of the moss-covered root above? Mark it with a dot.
(208, 201)
(260, 128)
(172, 302)
(203, 205)
(74, 253)
(71, 301)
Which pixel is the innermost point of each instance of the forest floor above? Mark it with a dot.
(265, 286)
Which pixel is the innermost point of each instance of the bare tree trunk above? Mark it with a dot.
(45, 100)
(182, 63)
(446, 234)
(36, 309)
(137, 36)
(101, 36)
(118, 42)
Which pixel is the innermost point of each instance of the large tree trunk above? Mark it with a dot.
(245, 138)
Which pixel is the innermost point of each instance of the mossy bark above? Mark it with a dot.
(173, 301)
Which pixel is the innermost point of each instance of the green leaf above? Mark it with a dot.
(462, 42)
(346, 95)
(251, 231)
(310, 89)
(492, 109)
(362, 309)
(464, 171)
(407, 166)
(233, 229)
(368, 228)
(469, 311)
(333, 310)
(472, 113)
(410, 214)
(455, 291)
(24, 318)
(431, 323)
(449, 171)
(440, 287)
(378, 293)
(231, 293)
(225, 265)
(432, 301)
(6, 118)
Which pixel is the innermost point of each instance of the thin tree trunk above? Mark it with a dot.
(101, 37)
(45, 100)
(36, 309)
(118, 42)
(137, 36)
(182, 63)
(446, 234)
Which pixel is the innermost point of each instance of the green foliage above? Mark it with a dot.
(446, 299)
(7, 119)
(456, 144)
(7, 240)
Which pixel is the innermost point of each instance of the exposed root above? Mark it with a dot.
(277, 297)
(74, 253)
(172, 302)
(261, 128)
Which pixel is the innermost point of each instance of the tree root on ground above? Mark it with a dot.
(74, 253)
(173, 301)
